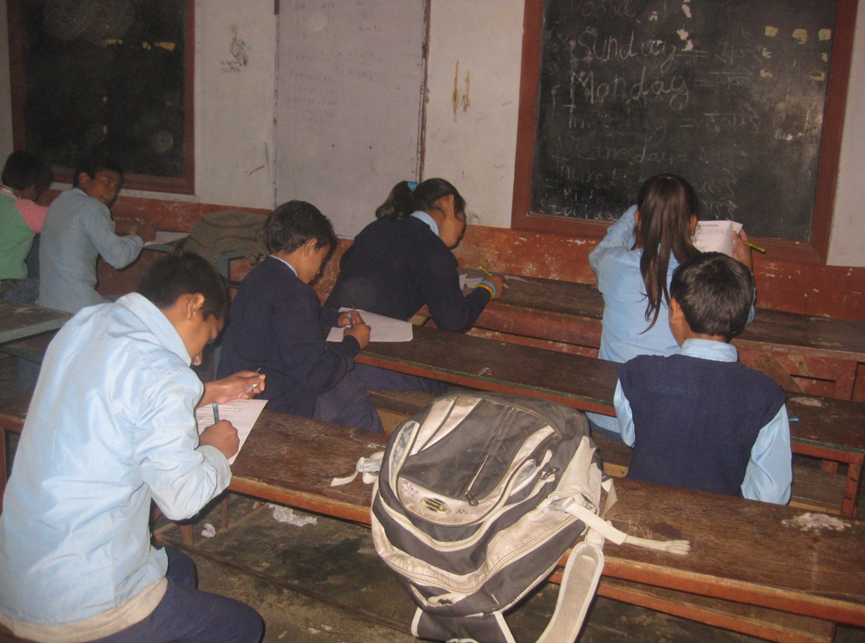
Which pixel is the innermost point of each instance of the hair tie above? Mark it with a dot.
(412, 185)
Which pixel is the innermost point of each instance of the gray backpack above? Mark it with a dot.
(478, 498)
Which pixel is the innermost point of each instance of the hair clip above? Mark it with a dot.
(412, 185)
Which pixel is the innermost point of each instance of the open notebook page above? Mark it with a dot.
(382, 329)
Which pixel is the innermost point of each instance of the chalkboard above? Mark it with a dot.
(730, 94)
(108, 75)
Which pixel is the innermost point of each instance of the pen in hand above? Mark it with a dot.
(251, 387)
(215, 413)
(350, 320)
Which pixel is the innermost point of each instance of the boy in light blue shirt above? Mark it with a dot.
(111, 429)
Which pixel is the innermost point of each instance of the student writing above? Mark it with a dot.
(110, 430)
(25, 177)
(404, 260)
(634, 263)
(277, 325)
(78, 229)
(700, 419)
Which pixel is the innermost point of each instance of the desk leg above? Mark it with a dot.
(851, 490)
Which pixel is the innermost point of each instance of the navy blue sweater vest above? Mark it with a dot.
(696, 420)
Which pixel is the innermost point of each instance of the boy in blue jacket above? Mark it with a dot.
(277, 326)
(700, 419)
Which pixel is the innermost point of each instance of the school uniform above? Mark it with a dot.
(20, 221)
(77, 230)
(276, 325)
(626, 333)
(393, 268)
(704, 421)
(110, 430)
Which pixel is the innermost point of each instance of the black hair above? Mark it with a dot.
(715, 293)
(26, 170)
(93, 164)
(666, 203)
(294, 223)
(185, 273)
(402, 200)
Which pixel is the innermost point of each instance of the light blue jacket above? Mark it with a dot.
(111, 426)
(78, 229)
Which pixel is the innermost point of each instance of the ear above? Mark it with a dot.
(677, 315)
(192, 304)
(309, 246)
(83, 179)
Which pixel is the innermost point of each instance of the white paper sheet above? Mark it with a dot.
(241, 413)
(715, 236)
(166, 236)
(382, 329)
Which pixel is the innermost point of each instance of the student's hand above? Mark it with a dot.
(349, 318)
(360, 332)
(242, 385)
(147, 231)
(498, 282)
(742, 251)
(223, 436)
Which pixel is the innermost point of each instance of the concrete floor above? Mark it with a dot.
(324, 583)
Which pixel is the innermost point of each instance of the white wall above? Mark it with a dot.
(475, 53)
(847, 244)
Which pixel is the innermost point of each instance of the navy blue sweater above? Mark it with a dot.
(275, 324)
(395, 267)
(696, 420)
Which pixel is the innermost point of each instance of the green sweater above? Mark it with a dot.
(15, 240)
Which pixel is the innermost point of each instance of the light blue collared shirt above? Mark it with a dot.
(423, 216)
(769, 474)
(286, 263)
(77, 230)
(110, 428)
(624, 335)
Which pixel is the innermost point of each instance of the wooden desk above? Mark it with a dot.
(741, 550)
(812, 347)
(18, 321)
(827, 428)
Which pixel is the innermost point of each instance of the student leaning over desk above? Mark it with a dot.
(78, 229)
(404, 260)
(110, 429)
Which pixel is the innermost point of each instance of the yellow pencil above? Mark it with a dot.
(751, 245)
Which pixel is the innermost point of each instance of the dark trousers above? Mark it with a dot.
(381, 379)
(188, 615)
(348, 404)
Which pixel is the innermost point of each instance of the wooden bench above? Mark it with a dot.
(827, 428)
(778, 577)
(815, 348)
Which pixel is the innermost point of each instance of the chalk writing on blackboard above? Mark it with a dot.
(728, 93)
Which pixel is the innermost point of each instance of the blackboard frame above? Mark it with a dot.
(814, 250)
(184, 184)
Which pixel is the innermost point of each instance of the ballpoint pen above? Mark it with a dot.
(252, 386)
(215, 413)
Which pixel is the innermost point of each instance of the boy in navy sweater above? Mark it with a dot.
(700, 419)
(277, 325)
